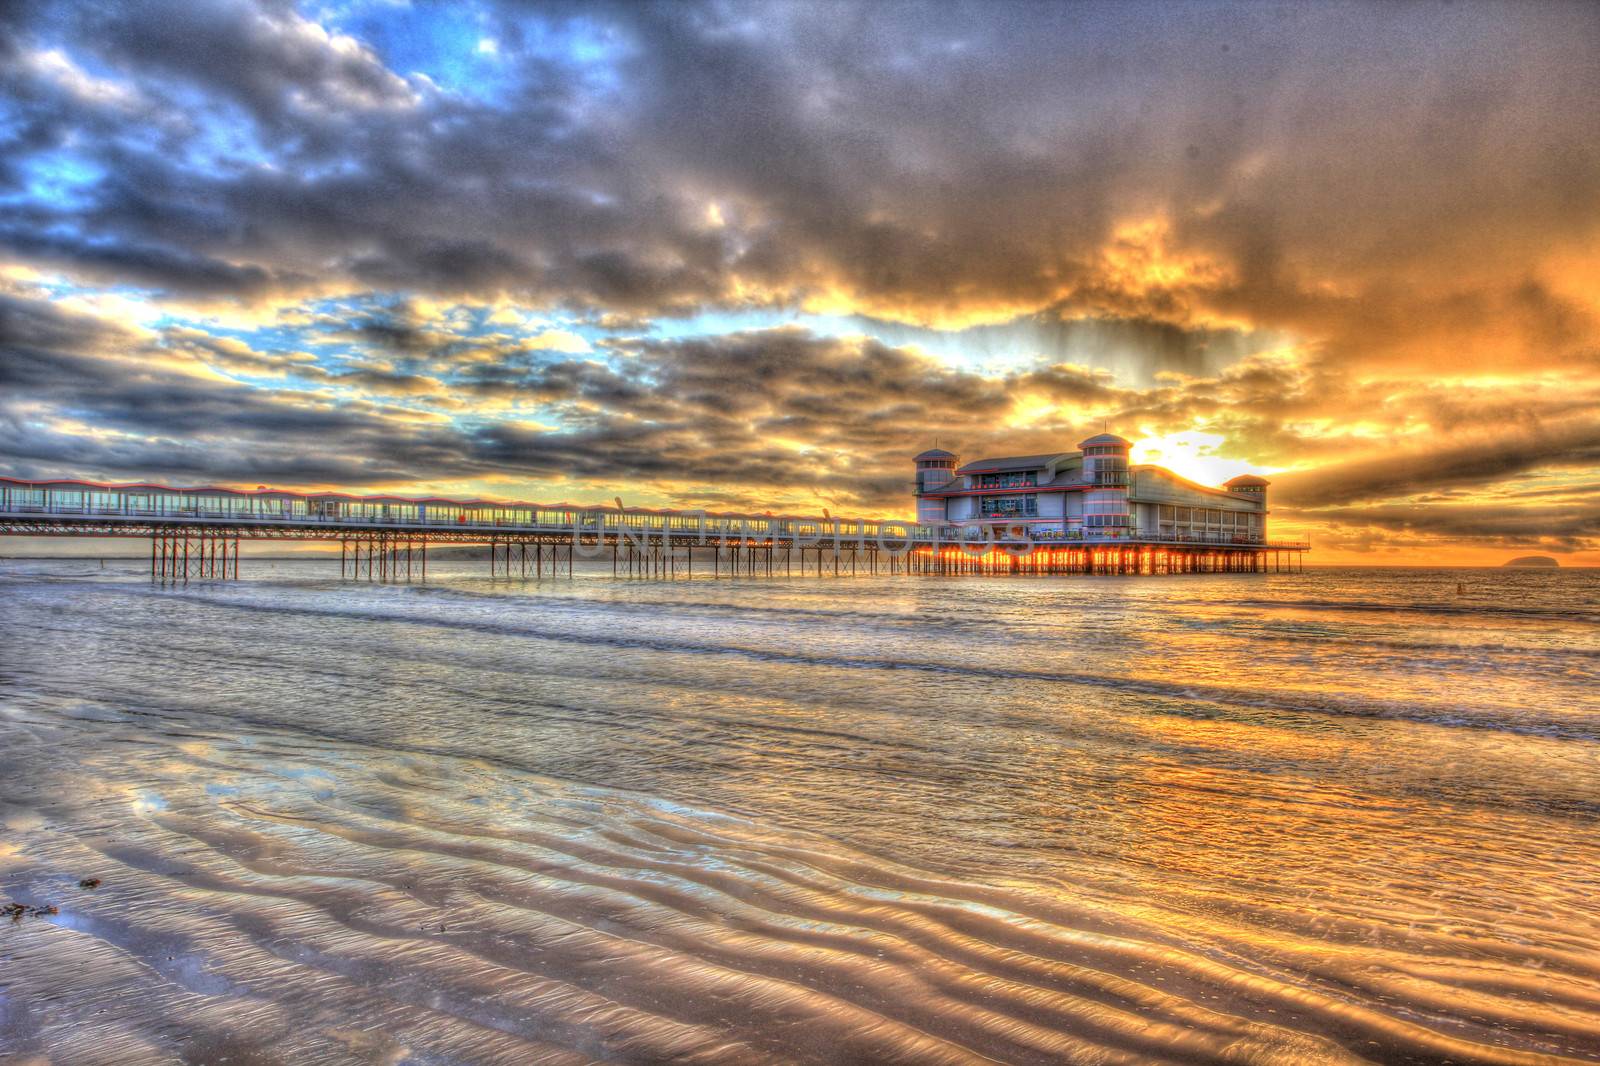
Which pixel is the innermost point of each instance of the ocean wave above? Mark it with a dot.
(1560, 613)
(1581, 727)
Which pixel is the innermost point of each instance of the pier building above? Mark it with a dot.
(1093, 493)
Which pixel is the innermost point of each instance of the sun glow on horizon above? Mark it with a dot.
(1195, 455)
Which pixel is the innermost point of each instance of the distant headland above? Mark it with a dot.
(1533, 560)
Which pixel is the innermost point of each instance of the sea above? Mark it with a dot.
(1339, 816)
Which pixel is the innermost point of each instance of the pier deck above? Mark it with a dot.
(196, 533)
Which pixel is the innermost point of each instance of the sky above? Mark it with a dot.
(757, 256)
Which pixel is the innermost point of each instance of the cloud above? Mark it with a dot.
(765, 417)
(149, 266)
(159, 418)
(1565, 528)
(231, 355)
(280, 66)
(1356, 242)
(1399, 470)
(924, 164)
(557, 340)
(780, 411)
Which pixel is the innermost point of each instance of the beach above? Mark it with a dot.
(1337, 816)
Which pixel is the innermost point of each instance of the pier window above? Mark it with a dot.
(1111, 472)
(1208, 523)
(1009, 506)
(1106, 510)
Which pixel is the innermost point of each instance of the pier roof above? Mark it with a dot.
(1014, 462)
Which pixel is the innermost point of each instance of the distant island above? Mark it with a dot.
(1533, 560)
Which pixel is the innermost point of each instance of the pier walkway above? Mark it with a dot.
(196, 533)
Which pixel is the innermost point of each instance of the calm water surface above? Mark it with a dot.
(1336, 816)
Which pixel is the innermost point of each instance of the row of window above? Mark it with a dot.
(1206, 517)
(1111, 472)
(1008, 506)
(1102, 510)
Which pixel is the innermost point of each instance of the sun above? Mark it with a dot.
(1195, 455)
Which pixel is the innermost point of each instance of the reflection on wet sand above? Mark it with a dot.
(530, 824)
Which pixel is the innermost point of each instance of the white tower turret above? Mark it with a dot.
(935, 469)
(1105, 502)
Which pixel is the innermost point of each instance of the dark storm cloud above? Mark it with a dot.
(32, 325)
(1573, 526)
(1402, 471)
(923, 159)
(261, 56)
(1140, 349)
(142, 265)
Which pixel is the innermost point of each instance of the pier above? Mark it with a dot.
(195, 533)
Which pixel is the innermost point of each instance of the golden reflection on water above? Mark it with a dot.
(747, 822)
